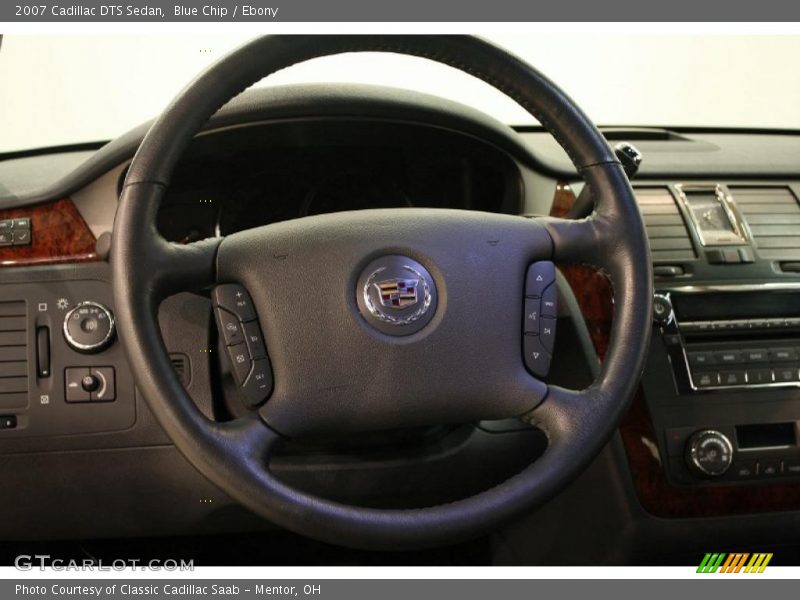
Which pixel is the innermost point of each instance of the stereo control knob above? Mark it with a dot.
(89, 327)
(662, 309)
(709, 453)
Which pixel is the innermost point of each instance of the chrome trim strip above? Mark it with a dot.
(726, 201)
(733, 287)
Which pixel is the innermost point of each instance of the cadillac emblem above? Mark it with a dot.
(396, 295)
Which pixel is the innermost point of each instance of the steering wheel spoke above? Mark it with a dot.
(579, 241)
(184, 267)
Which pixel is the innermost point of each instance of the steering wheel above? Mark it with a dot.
(339, 363)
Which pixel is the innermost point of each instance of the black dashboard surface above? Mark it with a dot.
(278, 171)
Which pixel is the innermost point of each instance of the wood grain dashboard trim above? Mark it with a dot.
(656, 494)
(58, 235)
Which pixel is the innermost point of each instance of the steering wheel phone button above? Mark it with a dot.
(547, 333)
(540, 275)
(259, 383)
(240, 362)
(105, 391)
(234, 298)
(73, 384)
(537, 358)
(230, 327)
(254, 339)
(532, 316)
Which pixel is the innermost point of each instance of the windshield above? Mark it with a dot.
(61, 90)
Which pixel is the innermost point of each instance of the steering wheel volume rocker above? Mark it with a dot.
(539, 320)
(236, 319)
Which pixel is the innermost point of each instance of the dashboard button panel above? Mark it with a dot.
(539, 320)
(250, 366)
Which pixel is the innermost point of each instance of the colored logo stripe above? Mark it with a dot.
(710, 563)
(758, 563)
(733, 563)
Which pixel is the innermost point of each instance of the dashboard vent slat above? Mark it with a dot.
(13, 355)
(666, 229)
(773, 215)
(180, 362)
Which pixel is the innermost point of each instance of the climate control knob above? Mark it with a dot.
(89, 327)
(709, 453)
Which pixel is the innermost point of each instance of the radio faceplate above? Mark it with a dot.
(754, 341)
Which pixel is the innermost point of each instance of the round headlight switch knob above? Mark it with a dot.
(709, 453)
(89, 327)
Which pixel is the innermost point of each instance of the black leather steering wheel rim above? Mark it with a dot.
(234, 455)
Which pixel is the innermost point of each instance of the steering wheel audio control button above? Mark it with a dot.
(539, 321)
(234, 298)
(547, 333)
(259, 382)
(549, 301)
(89, 327)
(230, 326)
(537, 358)
(540, 275)
(532, 316)
(255, 342)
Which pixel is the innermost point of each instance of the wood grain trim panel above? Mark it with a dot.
(58, 235)
(656, 494)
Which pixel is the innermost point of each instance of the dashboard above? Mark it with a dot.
(712, 435)
(279, 171)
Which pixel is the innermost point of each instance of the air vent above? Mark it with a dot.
(773, 215)
(182, 366)
(666, 230)
(13, 355)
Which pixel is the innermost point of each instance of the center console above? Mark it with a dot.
(731, 412)
(722, 384)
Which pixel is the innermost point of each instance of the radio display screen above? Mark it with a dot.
(715, 306)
